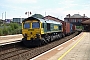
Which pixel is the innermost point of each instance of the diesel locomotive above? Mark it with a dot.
(38, 31)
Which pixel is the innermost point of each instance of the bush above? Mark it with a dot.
(15, 25)
(5, 30)
(1, 32)
(9, 30)
(79, 27)
(12, 28)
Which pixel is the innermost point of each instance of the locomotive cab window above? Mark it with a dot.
(26, 25)
(35, 25)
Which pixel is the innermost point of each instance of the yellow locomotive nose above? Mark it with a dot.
(31, 29)
(35, 33)
(31, 33)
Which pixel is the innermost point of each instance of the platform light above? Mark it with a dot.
(28, 13)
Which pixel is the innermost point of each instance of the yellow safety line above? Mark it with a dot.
(71, 48)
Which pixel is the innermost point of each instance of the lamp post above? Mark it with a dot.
(28, 13)
(20, 19)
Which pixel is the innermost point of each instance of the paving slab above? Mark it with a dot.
(81, 51)
(10, 38)
(58, 51)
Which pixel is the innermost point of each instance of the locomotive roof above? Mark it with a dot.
(41, 20)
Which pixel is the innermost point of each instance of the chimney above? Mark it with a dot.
(68, 15)
(84, 15)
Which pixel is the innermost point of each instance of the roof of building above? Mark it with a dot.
(53, 18)
(76, 16)
(86, 22)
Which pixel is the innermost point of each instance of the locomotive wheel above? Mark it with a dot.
(63, 35)
(48, 39)
(51, 38)
(44, 41)
(25, 42)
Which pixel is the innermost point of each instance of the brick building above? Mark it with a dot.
(75, 19)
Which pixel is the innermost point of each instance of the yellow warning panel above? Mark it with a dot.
(55, 27)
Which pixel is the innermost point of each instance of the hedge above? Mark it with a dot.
(10, 29)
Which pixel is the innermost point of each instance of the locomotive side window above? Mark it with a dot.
(60, 27)
(48, 26)
(26, 25)
(35, 25)
(42, 25)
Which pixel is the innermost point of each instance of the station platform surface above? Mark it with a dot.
(10, 39)
(78, 48)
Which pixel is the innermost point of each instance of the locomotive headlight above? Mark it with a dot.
(25, 35)
(38, 35)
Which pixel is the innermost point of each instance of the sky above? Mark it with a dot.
(55, 8)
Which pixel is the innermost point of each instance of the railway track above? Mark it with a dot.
(18, 52)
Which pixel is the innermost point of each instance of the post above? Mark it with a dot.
(2, 16)
(45, 13)
(28, 13)
(21, 20)
(5, 15)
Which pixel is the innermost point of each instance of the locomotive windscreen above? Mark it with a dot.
(35, 25)
(26, 25)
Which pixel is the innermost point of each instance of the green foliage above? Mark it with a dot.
(1, 22)
(1, 33)
(12, 28)
(79, 27)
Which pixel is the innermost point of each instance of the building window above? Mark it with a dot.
(75, 20)
(79, 20)
(66, 20)
(72, 20)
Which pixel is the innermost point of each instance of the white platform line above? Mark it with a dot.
(9, 43)
(60, 48)
(5, 43)
(11, 35)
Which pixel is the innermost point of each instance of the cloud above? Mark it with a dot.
(56, 12)
(72, 12)
(67, 3)
(59, 10)
(22, 1)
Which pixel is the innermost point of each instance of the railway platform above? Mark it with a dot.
(78, 48)
(10, 39)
